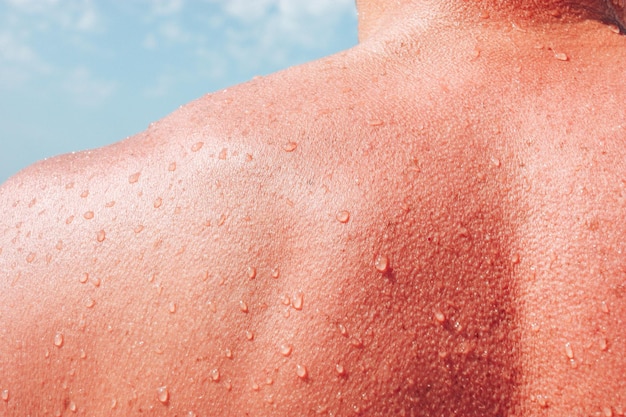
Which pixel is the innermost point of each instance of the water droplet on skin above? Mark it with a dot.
(215, 375)
(223, 154)
(228, 353)
(340, 370)
(5, 395)
(249, 335)
(286, 300)
(134, 178)
(569, 351)
(69, 220)
(95, 282)
(90, 302)
(286, 350)
(101, 236)
(440, 317)
(139, 229)
(515, 259)
(197, 146)
(496, 162)
(343, 216)
(605, 307)
(290, 146)
(243, 306)
(275, 272)
(83, 354)
(88, 215)
(109, 204)
(172, 307)
(172, 167)
(343, 330)
(356, 342)
(542, 401)
(72, 407)
(381, 264)
(298, 301)
(163, 395)
(84, 194)
(158, 202)
(30, 258)
(58, 246)
(301, 371)
(604, 344)
(58, 340)
(607, 412)
(251, 272)
(561, 56)
(222, 220)
(375, 122)
(255, 387)
(269, 381)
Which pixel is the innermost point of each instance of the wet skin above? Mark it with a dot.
(398, 229)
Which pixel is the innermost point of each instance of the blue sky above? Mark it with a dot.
(79, 74)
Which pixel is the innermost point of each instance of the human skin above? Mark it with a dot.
(430, 223)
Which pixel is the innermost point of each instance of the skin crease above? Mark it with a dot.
(430, 223)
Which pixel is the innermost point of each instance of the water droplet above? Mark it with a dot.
(83, 278)
(255, 387)
(88, 215)
(542, 400)
(30, 258)
(382, 264)
(197, 146)
(163, 395)
(356, 342)
(223, 154)
(569, 351)
(375, 122)
(89, 302)
(343, 330)
(58, 340)
(215, 375)
(301, 371)
(172, 167)
(228, 386)
(298, 301)
(561, 56)
(249, 335)
(134, 178)
(158, 202)
(139, 229)
(607, 412)
(605, 307)
(72, 407)
(290, 146)
(340, 370)
(109, 204)
(343, 216)
(286, 300)
(85, 194)
(496, 162)
(604, 344)
(440, 317)
(69, 220)
(58, 246)
(5, 395)
(172, 307)
(243, 306)
(228, 353)
(95, 282)
(101, 236)
(83, 354)
(251, 272)
(515, 259)
(286, 350)
(275, 272)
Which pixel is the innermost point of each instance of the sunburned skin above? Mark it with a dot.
(428, 224)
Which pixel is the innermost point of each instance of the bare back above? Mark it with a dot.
(394, 230)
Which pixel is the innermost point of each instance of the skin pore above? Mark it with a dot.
(430, 223)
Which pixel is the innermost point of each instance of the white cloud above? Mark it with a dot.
(82, 16)
(166, 7)
(87, 89)
(18, 61)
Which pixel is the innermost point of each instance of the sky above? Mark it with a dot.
(80, 74)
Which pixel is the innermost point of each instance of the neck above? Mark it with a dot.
(375, 15)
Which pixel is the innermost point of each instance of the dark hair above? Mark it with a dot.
(616, 14)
